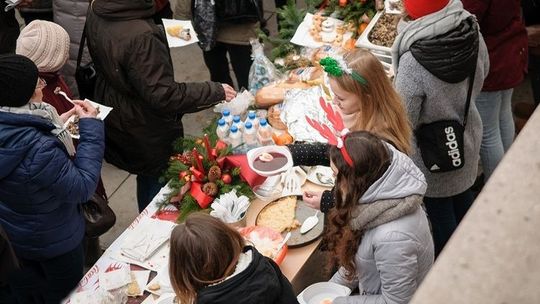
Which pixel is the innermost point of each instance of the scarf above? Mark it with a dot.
(427, 27)
(49, 113)
(368, 216)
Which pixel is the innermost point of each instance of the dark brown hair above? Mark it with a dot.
(371, 158)
(204, 251)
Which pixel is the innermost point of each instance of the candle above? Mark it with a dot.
(208, 148)
(198, 159)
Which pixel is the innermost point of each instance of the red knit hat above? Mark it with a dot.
(420, 8)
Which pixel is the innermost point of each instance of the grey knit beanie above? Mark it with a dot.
(45, 43)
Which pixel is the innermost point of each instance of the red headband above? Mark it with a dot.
(326, 132)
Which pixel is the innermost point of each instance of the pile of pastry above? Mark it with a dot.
(326, 30)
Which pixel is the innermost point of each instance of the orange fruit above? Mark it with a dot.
(350, 44)
(284, 139)
(362, 28)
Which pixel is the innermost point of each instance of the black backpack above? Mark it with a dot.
(239, 11)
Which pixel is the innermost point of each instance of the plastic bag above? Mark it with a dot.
(238, 105)
(308, 101)
(262, 71)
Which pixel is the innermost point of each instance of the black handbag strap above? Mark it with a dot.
(469, 92)
(260, 13)
(469, 96)
(81, 47)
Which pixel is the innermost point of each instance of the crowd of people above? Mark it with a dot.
(396, 202)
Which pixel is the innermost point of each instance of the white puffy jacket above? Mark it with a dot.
(392, 258)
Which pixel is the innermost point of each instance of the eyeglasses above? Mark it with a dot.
(41, 83)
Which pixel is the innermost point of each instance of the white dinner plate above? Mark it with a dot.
(322, 176)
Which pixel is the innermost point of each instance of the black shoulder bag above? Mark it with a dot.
(441, 142)
(85, 74)
(239, 11)
(99, 217)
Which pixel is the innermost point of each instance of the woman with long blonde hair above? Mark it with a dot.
(367, 100)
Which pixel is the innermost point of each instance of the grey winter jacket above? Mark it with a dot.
(71, 15)
(393, 258)
(433, 84)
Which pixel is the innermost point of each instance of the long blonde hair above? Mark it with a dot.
(382, 111)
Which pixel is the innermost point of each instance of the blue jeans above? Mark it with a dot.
(534, 74)
(147, 188)
(445, 214)
(496, 112)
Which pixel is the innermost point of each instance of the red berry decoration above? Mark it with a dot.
(226, 178)
(185, 158)
(184, 175)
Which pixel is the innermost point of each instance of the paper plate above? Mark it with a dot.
(265, 231)
(168, 298)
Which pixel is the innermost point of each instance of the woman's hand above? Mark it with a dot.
(533, 33)
(312, 199)
(85, 109)
(24, 3)
(65, 116)
(230, 93)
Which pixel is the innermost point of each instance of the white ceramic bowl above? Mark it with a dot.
(255, 153)
(316, 293)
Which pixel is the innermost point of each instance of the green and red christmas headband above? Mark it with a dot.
(336, 66)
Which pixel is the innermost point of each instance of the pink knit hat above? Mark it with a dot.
(420, 8)
(45, 43)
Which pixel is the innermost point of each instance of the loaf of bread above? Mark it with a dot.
(275, 93)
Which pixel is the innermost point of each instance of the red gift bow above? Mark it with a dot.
(226, 162)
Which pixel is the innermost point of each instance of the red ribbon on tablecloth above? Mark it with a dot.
(253, 179)
(202, 198)
(225, 163)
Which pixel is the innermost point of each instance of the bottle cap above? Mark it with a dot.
(251, 115)
(226, 112)
(236, 118)
(248, 125)
(263, 122)
(234, 129)
(221, 122)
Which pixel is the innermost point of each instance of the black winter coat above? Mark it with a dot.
(260, 283)
(9, 29)
(136, 78)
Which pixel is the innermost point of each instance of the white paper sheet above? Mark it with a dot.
(175, 41)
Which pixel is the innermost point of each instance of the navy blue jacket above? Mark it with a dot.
(41, 188)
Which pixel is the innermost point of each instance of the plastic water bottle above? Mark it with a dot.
(222, 130)
(249, 136)
(227, 117)
(264, 134)
(238, 123)
(235, 137)
(252, 117)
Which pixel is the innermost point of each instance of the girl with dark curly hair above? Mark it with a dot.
(378, 232)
